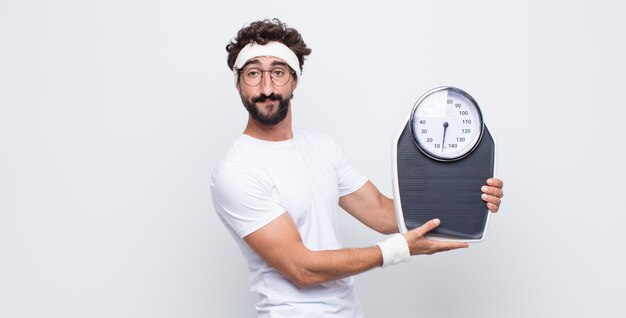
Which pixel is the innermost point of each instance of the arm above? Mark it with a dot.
(280, 245)
(372, 208)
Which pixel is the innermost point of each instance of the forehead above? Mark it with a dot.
(265, 61)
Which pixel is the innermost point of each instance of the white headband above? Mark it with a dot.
(276, 49)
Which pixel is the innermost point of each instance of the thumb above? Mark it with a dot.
(424, 229)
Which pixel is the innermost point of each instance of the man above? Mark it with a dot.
(278, 189)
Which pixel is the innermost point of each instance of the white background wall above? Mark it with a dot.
(113, 114)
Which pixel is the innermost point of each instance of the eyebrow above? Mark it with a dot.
(280, 63)
(252, 61)
(257, 62)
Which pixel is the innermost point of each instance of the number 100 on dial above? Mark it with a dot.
(446, 124)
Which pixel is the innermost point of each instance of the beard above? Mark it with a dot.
(269, 119)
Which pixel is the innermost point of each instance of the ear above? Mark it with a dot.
(294, 85)
(237, 77)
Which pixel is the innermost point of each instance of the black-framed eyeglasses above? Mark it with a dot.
(280, 76)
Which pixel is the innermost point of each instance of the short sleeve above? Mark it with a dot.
(349, 179)
(244, 198)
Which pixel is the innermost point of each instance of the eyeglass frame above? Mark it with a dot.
(291, 73)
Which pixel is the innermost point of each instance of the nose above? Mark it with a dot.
(267, 87)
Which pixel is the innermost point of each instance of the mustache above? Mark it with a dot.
(263, 97)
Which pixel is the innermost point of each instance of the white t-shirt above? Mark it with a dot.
(256, 182)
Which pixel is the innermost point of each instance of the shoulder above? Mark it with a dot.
(241, 157)
(237, 167)
(235, 188)
(239, 152)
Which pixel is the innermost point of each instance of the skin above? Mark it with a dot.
(279, 243)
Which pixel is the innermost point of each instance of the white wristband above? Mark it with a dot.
(394, 249)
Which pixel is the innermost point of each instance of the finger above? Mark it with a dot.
(453, 246)
(492, 191)
(425, 228)
(437, 247)
(446, 246)
(495, 182)
(491, 199)
(492, 207)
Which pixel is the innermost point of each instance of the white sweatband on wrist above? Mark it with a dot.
(273, 48)
(395, 250)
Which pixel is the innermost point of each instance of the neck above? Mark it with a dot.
(279, 132)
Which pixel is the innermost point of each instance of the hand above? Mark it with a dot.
(492, 193)
(418, 244)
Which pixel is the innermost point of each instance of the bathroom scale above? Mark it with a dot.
(442, 155)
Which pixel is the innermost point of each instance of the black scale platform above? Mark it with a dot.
(449, 191)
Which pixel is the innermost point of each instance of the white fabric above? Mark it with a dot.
(395, 250)
(273, 48)
(256, 182)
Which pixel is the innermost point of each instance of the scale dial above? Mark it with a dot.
(446, 124)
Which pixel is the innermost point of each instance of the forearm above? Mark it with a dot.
(280, 245)
(316, 267)
(388, 223)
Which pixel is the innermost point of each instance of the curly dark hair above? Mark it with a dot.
(264, 31)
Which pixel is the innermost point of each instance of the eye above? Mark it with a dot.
(278, 72)
(252, 73)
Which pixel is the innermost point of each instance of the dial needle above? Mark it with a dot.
(445, 128)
